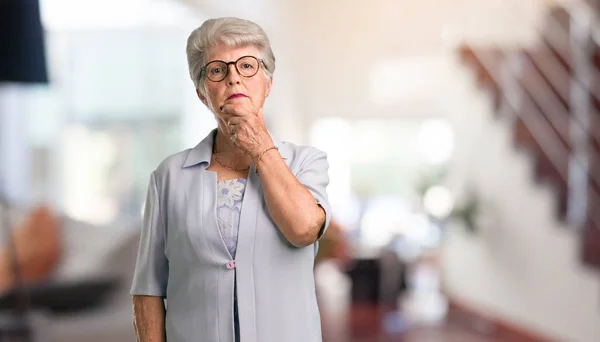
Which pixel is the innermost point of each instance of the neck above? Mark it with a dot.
(228, 152)
(223, 144)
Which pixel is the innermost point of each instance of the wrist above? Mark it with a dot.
(260, 157)
(256, 153)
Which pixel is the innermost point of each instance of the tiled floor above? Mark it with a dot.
(422, 318)
(365, 331)
(444, 334)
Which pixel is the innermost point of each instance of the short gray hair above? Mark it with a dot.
(232, 32)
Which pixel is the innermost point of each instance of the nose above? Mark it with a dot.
(232, 75)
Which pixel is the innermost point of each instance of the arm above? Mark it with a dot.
(293, 207)
(149, 318)
(296, 203)
(334, 246)
(151, 273)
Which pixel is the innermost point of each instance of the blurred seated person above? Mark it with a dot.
(378, 283)
(38, 243)
(334, 246)
(333, 258)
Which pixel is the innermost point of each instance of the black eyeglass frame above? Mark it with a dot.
(227, 64)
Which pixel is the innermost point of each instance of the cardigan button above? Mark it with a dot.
(230, 265)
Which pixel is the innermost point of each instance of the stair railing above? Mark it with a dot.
(540, 101)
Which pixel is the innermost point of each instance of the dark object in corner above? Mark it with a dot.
(22, 39)
(64, 297)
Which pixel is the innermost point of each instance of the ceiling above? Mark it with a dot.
(382, 58)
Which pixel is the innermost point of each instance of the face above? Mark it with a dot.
(235, 88)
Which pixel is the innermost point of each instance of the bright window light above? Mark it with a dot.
(438, 201)
(385, 217)
(332, 135)
(436, 141)
(85, 175)
(76, 14)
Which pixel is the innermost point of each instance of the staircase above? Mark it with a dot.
(550, 94)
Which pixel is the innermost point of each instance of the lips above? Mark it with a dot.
(235, 96)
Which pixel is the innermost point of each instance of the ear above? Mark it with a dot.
(269, 84)
(202, 97)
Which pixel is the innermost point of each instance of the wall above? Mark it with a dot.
(523, 266)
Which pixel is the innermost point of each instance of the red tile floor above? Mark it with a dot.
(365, 330)
(421, 319)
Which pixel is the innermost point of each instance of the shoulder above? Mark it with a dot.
(171, 164)
(188, 158)
(300, 156)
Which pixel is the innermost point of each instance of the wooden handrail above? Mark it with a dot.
(556, 45)
(551, 70)
(550, 146)
(545, 99)
(556, 152)
(550, 107)
(554, 71)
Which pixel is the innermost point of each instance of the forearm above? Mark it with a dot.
(291, 206)
(149, 318)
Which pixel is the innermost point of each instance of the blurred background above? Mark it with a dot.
(463, 138)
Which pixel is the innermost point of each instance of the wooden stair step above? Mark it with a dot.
(590, 245)
(545, 117)
(547, 67)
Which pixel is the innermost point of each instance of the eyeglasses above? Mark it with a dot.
(246, 66)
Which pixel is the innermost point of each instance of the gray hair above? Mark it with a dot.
(233, 32)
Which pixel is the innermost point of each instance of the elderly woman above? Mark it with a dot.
(230, 226)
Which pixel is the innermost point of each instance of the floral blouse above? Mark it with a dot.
(230, 194)
(229, 205)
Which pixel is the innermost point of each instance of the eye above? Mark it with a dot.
(247, 66)
(215, 71)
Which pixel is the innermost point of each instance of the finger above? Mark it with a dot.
(235, 121)
(227, 120)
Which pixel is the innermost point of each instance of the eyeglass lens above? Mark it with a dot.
(246, 66)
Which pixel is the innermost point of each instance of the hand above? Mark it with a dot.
(38, 244)
(246, 128)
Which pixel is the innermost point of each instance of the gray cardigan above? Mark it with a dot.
(182, 257)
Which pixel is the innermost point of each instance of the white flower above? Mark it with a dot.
(230, 191)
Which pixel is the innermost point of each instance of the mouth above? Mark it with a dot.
(235, 96)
